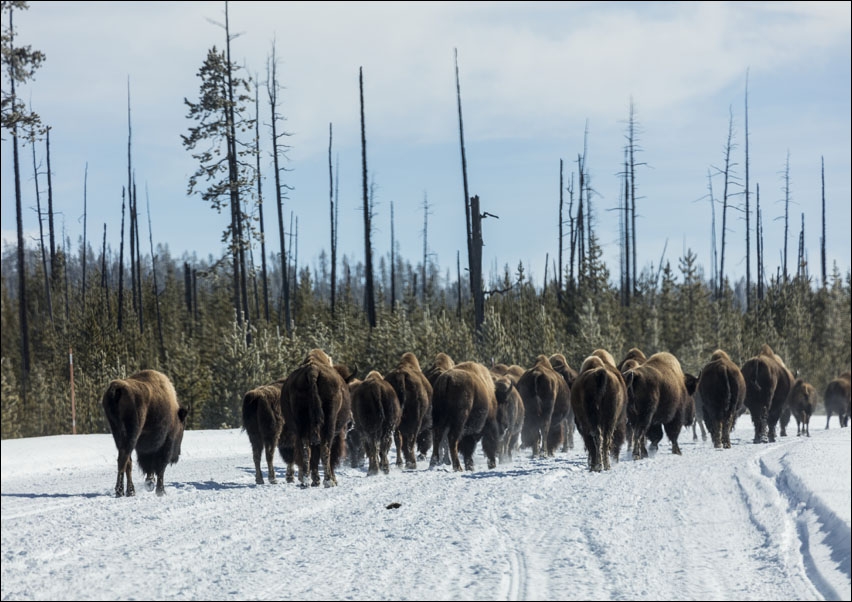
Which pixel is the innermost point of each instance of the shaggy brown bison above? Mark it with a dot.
(768, 383)
(657, 399)
(464, 410)
(376, 411)
(802, 401)
(560, 364)
(547, 402)
(598, 400)
(414, 392)
(721, 391)
(316, 405)
(837, 399)
(634, 357)
(354, 444)
(144, 415)
(263, 421)
(510, 416)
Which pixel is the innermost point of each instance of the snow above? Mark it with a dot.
(754, 522)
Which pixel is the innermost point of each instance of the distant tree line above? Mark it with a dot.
(221, 326)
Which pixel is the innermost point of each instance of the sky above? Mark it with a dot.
(753, 522)
(535, 78)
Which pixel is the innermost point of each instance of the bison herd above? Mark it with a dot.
(320, 411)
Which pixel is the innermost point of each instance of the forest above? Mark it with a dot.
(77, 314)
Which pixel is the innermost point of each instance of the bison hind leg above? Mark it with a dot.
(150, 482)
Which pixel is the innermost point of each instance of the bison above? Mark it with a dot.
(144, 415)
(560, 364)
(721, 391)
(634, 357)
(768, 383)
(464, 410)
(316, 405)
(376, 411)
(354, 443)
(802, 401)
(510, 416)
(599, 400)
(414, 392)
(263, 421)
(657, 400)
(547, 402)
(837, 399)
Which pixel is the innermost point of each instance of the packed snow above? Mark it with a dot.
(754, 522)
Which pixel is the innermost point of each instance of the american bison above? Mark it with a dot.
(464, 410)
(802, 401)
(721, 391)
(634, 357)
(510, 416)
(354, 443)
(263, 421)
(657, 399)
(560, 364)
(316, 405)
(376, 411)
(547, 402)
(598, 400)
(837, 399)
(414, 392)
(144, 415)
(768, 383)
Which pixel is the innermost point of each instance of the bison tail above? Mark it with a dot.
(317, 416)
(249, 409)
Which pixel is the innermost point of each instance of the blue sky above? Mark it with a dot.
(533, 75)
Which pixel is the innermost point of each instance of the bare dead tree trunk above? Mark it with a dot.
(759, 235)
(572, 231)
(278, 150)
(187, 288)
(626, 283)
(132, 211)
(801, 269)
(65, 273)
(156, 290)
(233, 177)
(121, 267)
(85, 184)
(104, 277)
(458, 285)
(368, 250)
(727, 178)
(22, 281)
(134, 223)
(747, 207)
(822, 239)
(425, 243)
(561, 223)
(714, 274)
(474, 253)
(632, 146)
(786, 211)
(393, 263)
(333, 226)
(50, 208)
(260, 207)
(47, 294)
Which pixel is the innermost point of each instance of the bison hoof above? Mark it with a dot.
(330, 483)
(150, 485)
(161, 492)
(273, 481)
(411, 465)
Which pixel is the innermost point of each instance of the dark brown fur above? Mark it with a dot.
(263, 421)
(599, 400)
(464, 409)
(768, 383)
(144, 415)
(510, 416)
(513, 371)
(316, 405)
(547, 402)
(415, 398)
(633, 355)
(560, 364)
(837, 399)
(721, 394)
(657, 400)
(802, 401)
(376, 411)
